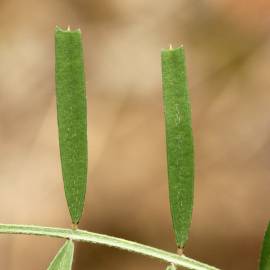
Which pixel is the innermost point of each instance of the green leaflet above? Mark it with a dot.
(64, 257)
(265, 252)
(179, 140)
(72, 117)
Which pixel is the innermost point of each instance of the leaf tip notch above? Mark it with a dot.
(67, 30)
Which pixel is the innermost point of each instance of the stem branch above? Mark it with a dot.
(101, 239)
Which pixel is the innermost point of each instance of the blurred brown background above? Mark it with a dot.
(228, 57)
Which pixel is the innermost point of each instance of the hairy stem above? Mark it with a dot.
(101, 239)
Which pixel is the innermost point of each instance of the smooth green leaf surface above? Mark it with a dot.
(265, 252)
(72, 117)
(64, 257)
(179, 141)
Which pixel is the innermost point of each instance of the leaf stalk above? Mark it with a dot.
(102, 239)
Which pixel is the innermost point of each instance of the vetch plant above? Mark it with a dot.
(72, 126)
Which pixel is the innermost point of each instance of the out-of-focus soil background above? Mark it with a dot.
(228, 58)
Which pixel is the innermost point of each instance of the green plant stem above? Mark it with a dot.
(95, 238)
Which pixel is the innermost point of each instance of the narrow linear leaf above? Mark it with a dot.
(179, 141)
(64, 258)
(265, 252)
(72, 117)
